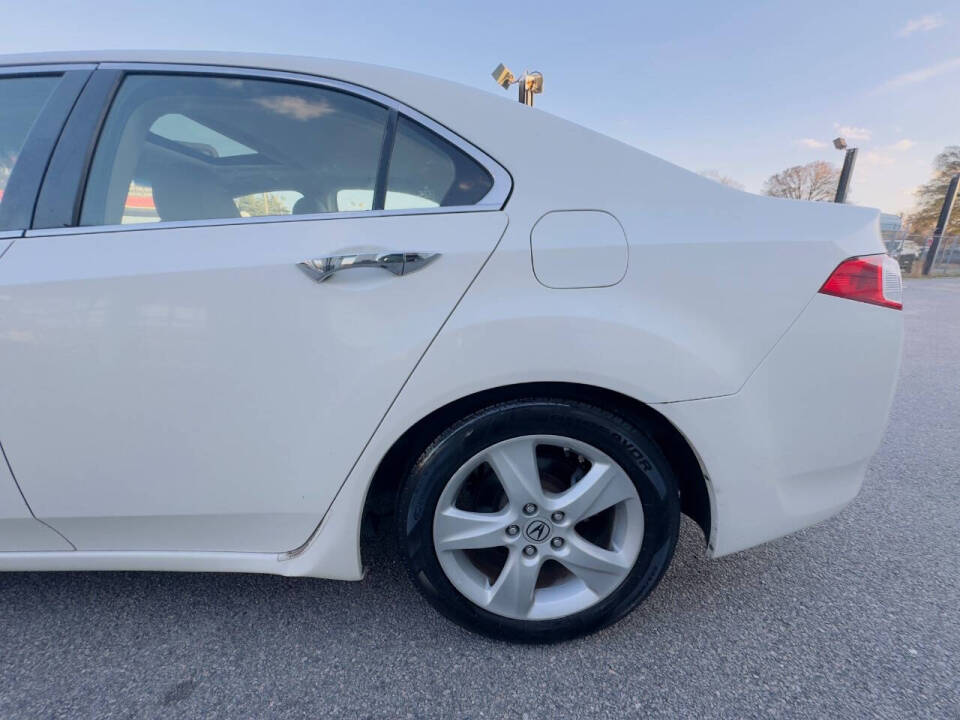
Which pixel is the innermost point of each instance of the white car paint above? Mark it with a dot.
(717, 324)
(19, 529)
(790, 449)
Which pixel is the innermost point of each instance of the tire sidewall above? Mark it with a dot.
(631, 448)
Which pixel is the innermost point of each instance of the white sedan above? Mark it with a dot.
(249, 302)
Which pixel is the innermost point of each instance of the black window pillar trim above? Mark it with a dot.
(20, 195)
(386, 153)
(58, 204)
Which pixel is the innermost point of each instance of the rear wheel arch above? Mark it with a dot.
(382, 494)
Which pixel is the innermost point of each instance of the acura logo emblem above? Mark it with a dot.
(538, 531)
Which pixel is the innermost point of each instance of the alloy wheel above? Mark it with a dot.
(538, 527)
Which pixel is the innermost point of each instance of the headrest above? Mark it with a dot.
(192, 196)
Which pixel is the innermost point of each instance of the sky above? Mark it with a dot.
(746, 88)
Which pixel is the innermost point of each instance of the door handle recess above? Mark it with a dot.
(399, 263)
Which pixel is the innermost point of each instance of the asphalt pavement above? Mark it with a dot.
(857, 617)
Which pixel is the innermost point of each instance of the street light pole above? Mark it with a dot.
(849, 160)
(942, 221)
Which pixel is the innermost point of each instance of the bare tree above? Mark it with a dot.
(930, 195)
(722, 179)
(813, 181)
(259, 204)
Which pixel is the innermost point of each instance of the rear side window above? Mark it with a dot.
(427, 171)
(21, 101)
(193, 147)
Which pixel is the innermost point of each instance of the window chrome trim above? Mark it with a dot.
(10, 234)
(52, 69)
(495, 199)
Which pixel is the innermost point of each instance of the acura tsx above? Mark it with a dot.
(249, 302)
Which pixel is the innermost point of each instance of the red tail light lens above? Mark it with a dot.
(871, 279)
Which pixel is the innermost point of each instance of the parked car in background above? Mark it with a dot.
(909, 252)
(246, 301)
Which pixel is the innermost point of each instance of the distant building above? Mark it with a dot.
(890, 223)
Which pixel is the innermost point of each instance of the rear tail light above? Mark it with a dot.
(871, 279)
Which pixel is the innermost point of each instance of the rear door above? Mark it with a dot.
(182, 380)
(34, 102)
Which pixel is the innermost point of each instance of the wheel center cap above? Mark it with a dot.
(537, 531)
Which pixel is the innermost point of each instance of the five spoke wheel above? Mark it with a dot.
(538, 527)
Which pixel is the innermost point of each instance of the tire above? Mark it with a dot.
(458, 519)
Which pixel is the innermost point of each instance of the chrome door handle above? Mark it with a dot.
(399, 263)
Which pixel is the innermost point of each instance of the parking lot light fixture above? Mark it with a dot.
(529, 83)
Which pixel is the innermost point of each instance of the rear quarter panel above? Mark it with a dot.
(715, 276)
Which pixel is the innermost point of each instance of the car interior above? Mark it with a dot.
(204, 146)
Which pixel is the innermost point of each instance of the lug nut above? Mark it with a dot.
(529, 551)
(529, 508)
(557, 516)
(556, 543)
(513, 530)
